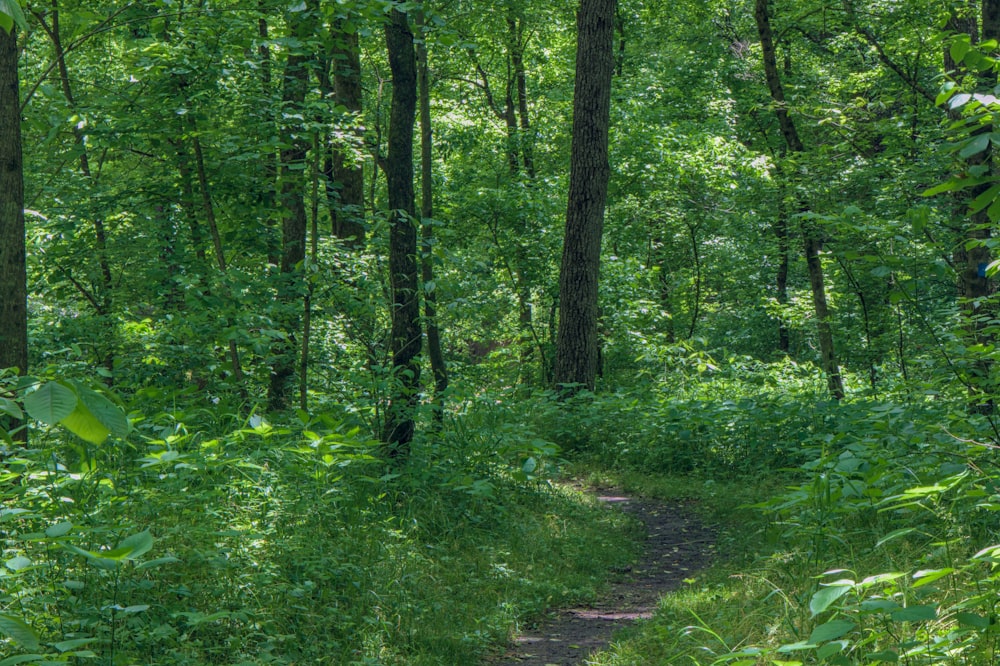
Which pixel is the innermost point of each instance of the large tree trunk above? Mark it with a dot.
(13, 276)
(973, 255)
(576, 343)
(434, 351)
(293, 223)
(399, 426)
(811, 237)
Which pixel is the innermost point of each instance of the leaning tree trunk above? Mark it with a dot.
(13, 276)
(576, 342)
(811, 236)
(400, 425)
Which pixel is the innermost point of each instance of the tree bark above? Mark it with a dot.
(405, 340)
(13, 273)
(434, 352)
(576, 343)
(973, 255)
(292, 195)
(811, 236)
(345, 176)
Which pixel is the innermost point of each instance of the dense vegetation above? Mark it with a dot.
(299, 384)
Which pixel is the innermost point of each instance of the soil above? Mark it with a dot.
(677, 545)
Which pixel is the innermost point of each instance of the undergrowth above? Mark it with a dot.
(190, 543)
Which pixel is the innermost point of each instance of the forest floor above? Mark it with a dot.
(677, 545)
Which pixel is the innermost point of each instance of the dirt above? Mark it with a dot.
(677, 545)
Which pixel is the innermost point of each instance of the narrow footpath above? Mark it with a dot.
(677, 545)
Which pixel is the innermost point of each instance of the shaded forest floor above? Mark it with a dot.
(677, 544)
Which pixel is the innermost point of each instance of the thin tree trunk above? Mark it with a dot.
(434, 352)
(526, 142)
(269, 159)
(811, 237)
(105, 298)
(213, 228)
(400, 424)
(13, 272)
(577, 343)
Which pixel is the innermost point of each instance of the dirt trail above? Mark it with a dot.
(677, 545)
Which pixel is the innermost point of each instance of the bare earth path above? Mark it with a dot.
(677, 545)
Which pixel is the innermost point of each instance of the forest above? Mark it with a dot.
(324, 323)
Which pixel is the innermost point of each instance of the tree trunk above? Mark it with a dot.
(515, 30)
(811, 237)
(345, 176)
(973, 255)
(293, 223)
(434, 351)
(405, 342)
(13, 275)
(576, 343)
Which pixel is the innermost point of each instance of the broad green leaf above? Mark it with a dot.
(10, 408)
(156, 563)
(975, 146)
(973, 620)
(10, 13)
(830, 631)
(51, 403)
(58, 530)
(985, 199)
(66, 646)
(95, 417)
(959, 48)
(18, 631)
(18, 563)
(928, 576)
(884, 655)
(830, 649)
(826, 596)
(136, 545)
(21, 659)
(915, 614)
(82, 423)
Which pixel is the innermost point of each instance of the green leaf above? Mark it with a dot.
(16, 629)
(884, 655)
(21, 659)
(51, 403)
(10, 408)
(928, 576)
(830, 649)
(58, 530)
(961, 46)
(975, 146)
(160, 561)
(915, 614)
(826, 596)
(984, 199)
(18, 563)
(82, 423)
(830, 631)
(10, 13)
(108, 413)
(65, 646)
(135, 545)
(973, 620)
